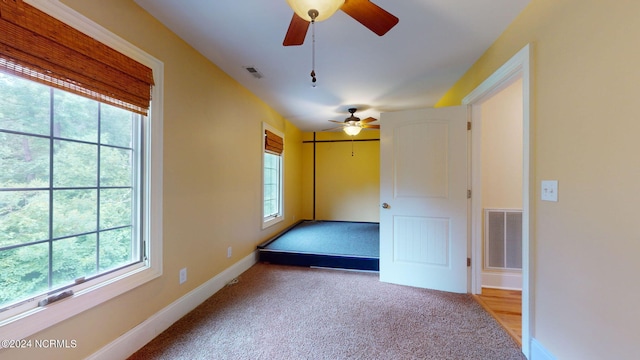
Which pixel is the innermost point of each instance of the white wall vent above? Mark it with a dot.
(503, 239)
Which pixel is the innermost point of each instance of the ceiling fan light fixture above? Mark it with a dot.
(352, 130)
(325, 8)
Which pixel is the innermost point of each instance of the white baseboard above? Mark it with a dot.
(502, 280)
(538, 352)
(136, 338)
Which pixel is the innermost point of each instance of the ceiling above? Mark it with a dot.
(410, 67)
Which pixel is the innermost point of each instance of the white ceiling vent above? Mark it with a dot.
(254, 72)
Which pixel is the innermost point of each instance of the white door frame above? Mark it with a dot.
(519, 66)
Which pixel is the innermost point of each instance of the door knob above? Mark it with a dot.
(385, 206)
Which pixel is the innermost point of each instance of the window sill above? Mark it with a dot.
(30, 322)
(272, 221)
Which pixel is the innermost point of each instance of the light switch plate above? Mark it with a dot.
(549, 190)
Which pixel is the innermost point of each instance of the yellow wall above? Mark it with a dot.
(347, 186)
(585, 135)
(502, 149)
(212, 179)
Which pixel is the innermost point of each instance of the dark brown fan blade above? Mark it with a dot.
(367, 126)
(336, 121)
(370, 15)
(368, 120)
(297, 31)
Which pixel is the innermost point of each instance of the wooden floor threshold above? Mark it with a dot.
(505, 306)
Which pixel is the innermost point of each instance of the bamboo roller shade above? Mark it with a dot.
(36, 46)
(273, 142)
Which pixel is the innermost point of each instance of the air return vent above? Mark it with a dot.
(254, 72)
(503, 239)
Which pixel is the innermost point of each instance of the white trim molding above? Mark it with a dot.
(538, 352)
(502, 280)
(519, 66)
(136, 338)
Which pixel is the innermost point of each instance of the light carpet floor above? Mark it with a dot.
(286, 312)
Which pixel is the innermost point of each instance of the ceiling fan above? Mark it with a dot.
(367, 13)
(352, 125)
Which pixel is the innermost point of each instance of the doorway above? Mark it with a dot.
(517, 69)
(501, 177)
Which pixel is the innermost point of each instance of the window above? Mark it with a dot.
(272, 174)
(272, 165)
(69, 199)
(80, 186)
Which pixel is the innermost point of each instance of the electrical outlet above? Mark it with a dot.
(549, 191)
(183, 275)
(229, 252)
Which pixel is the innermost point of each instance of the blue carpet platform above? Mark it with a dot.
(335, 244)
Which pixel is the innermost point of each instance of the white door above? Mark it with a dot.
(423, 191)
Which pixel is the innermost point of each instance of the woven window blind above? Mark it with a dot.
(36, 46)
(273, 142)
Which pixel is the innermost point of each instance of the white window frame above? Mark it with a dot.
(272, 220)
(16, 324)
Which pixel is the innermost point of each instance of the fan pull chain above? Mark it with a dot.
(352, 147)
(313, 14)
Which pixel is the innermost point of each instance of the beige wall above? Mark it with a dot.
(212, 179)
(585, 135)
(347, 186)
(502, 149)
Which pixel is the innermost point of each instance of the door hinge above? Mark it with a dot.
(468, 262)
(468, 125)
(469, 194)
